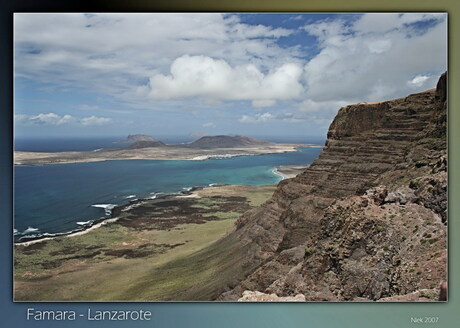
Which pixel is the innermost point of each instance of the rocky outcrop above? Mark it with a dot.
(145, 144)
(139, 141)
(249, 296)
(139, 137)
(223, 141)
(367, 219)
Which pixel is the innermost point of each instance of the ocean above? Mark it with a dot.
(54, 199)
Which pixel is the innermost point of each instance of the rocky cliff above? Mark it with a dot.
(367, 220)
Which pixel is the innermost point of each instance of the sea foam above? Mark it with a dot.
(84, 223)
(29, 230)
(107, 207)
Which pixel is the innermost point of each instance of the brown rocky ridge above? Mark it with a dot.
(145, 144)
(139, 137)
(224, 141)
(366, 221)
(143, 141)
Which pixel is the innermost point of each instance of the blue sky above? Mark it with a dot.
(205, 74)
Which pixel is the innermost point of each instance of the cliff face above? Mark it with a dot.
(367, 220)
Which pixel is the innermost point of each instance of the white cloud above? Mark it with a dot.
(203, 76)
(116, 53)
(21, 118)
(310, 106)
(94, 120)
(51, 119)
(379, 46)
(209, 125)
(373, 58)
(296, 18)
(263, 103)
(245, 31)
(385, 22)
(56, 120)
(258, 118)
(418, 81)
(284, 116)
(158, 60)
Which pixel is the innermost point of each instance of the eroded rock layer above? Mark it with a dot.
(367, 219)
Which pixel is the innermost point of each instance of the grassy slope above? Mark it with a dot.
(189, 261)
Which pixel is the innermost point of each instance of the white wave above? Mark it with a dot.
(155, 195)
(47, 234)
(130, 196)
(33, 236)
(83, 223)
(187, 188)
(99, 149)
(29, 230)
(15, 231)
(107, 207)
(276, 172)
(218, 156)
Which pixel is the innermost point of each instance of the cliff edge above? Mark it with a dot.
(367, 220)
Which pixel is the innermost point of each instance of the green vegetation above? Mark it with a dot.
(429, 241)
(414, 184)
(430, 296)
(172, 249)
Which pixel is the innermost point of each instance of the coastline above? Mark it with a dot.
(118, 210)
(122, 250)
(289, 171)
(112, 217)
(152, 153)
(70, 234)
(283, 171)
(278, 173)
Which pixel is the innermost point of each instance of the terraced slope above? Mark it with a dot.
(367, 220)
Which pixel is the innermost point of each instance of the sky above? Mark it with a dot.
(97, 75)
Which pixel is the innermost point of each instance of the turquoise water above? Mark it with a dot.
(51, 199)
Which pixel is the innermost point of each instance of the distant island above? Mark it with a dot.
(142, 141)
(139, 137)
(223, 141)
(146, 147)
